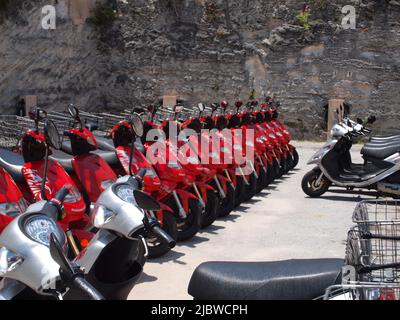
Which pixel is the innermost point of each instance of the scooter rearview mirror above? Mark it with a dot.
(146, 202)
(73, 111)
(137, 125)
(359, 121)
(178, 109)
(200, 106)
(52, 135)
(58, 255)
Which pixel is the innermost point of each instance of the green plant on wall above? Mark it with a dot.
(304, 19)
(103, 15)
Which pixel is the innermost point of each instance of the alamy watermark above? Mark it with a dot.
(49, 17)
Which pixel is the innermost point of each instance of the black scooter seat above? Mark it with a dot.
(12, 162)
(380, 152)
(64, 159)
(105, 143)
(108, 156)
(385, 138)
(282, 280)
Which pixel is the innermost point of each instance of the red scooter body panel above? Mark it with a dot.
(74, 204)
(94, 174)
(151, 180)
(9, 192)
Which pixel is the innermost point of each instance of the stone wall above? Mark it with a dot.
(207, 50)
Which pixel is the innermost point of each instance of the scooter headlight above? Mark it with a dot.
(101, 216)
(9, 261)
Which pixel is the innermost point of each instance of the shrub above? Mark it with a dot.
(103, 15)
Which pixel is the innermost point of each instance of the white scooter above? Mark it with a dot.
(334, 165)
(113, 260)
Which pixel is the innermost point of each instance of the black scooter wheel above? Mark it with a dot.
(251, 188)
(270, 175)
(188, 228)
(262, 181)
(239, 190)
(210, 213)
(159, 248)
(227, 204)
(310, 186)
(295, 158)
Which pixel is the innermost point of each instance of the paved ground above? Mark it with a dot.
(280, 223)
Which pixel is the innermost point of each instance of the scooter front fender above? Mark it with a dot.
(185, 196)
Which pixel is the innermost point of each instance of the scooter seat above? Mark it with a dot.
(282, 280)
(105, 143)
(66, 147)
(385, 138)
(108, 156)
(64, 159)
(380, 152)
(12, 162)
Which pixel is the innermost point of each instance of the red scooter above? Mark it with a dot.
(175, 181)
(92, 173)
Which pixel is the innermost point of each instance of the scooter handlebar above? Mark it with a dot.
(87, 289)
(61, 194)
(165, 237)
(142, 173)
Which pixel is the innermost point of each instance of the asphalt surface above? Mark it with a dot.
(278, 224)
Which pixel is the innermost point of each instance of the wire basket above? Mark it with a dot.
(374, 256)
(363, 291)
(12, 128)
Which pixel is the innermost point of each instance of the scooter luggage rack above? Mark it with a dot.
(12, 128)
(374, 257)
(363, 291)
(108, 121)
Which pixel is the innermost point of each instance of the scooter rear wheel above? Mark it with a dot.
(156, 247)
(210, 213)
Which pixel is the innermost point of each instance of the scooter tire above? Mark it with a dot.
(295, 158)
(251, 188)
(309, 187)
(210, 213)
(262, 181)
(189, 227)
(239, 191)
(169, 226)
(228, 204)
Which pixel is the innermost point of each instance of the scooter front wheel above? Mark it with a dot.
(228, 204)
(295, 158)
(312, 187)
(210, 213)
(188, 227)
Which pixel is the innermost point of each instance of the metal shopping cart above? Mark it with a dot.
(363, 291)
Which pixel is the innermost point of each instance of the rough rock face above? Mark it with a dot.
(206, 50)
